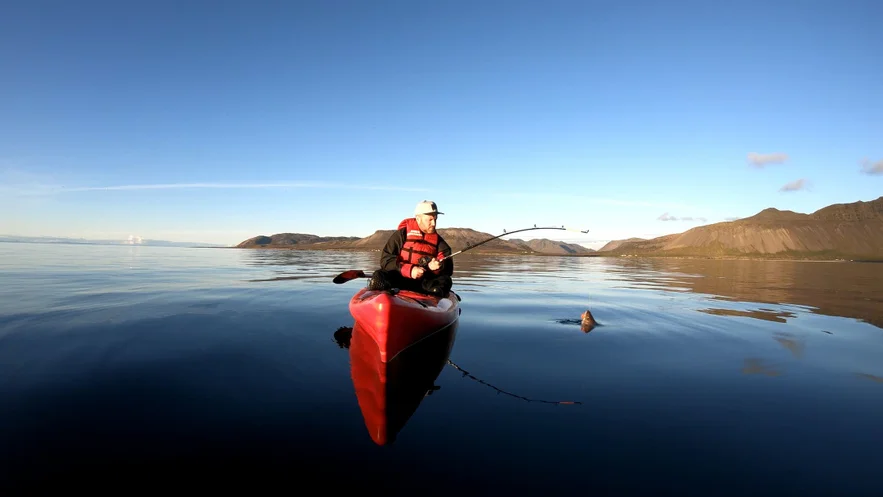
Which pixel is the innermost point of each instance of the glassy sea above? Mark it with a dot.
(123, 367)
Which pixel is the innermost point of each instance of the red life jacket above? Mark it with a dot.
(417, 244)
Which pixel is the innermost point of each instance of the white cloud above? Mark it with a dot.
(761, 160)
(668, 217)
(589, 199)
(794, 186)
(874, 168)
(42, 189)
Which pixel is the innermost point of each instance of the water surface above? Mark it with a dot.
(222, 366)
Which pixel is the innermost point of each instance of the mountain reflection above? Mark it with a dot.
(844, 289)
(791, 343)
(759, 366)
(765, 314)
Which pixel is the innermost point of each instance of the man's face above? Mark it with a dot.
(426, 222)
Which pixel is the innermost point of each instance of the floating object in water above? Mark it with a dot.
(588, 321)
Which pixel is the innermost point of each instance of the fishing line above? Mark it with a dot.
(469, 375)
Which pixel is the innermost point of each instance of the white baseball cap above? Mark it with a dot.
(427, 207)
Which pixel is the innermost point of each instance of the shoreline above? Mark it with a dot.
(764, 258)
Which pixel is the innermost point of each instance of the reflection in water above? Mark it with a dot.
(837, 289)
(846, 289)
(317, 265)
(759, 366)
(871, 377)
(389, 393)
(831, 288)
(790, 342)
(765, 314)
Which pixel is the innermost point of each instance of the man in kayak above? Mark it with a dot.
(415, 256)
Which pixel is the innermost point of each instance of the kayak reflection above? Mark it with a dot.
(389, 393)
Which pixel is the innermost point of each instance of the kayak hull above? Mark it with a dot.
(396, 321)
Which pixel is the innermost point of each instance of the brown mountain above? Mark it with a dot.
(290, 240)
(616, 243)
(852, 230)
(553, 247)
(457, 238)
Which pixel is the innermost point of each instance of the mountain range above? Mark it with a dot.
(457, 238)
(838, 231)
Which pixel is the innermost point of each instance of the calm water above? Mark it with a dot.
(221, 367)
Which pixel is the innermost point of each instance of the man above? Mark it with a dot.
(415, 256)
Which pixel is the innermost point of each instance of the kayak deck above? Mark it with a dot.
(397, 320)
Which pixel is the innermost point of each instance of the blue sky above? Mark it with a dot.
(217, 121)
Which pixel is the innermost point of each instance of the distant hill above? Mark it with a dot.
(616, 243)
(853, 230)
(839, 231)
(290, 240)
(457, 238)
(546, 246)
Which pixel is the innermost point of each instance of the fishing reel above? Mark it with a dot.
(425, 260)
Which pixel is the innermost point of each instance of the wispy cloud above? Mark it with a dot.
(872, 168)
(589, 199)
(794, 186)
(732, 218)
(668, 217)
(36, 189)
(761, 160)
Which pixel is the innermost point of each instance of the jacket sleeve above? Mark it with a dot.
(447, 265)
(389, 256)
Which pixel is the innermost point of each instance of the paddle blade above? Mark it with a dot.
(348, 276)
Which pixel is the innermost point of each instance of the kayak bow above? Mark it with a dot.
(396, 320)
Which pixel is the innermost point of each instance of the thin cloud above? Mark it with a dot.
(47, 189)
(761, 160)
(539, 196)
(732, 218)
(794, 186)
(668, 217)
(872, 168)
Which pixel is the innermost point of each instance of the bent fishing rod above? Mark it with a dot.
(357, 273)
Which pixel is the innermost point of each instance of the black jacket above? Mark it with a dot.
(389, 257)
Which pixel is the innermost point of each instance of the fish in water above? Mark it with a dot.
(587, 321)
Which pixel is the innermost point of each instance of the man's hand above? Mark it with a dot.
(434, 265)
(417, 271)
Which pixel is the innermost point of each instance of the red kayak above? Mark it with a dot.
(396, 320)
(390, 392)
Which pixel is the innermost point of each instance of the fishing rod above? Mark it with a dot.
(358, 273)
(470, 247)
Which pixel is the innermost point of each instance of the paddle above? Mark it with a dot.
(349, 276)
(353, 274)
